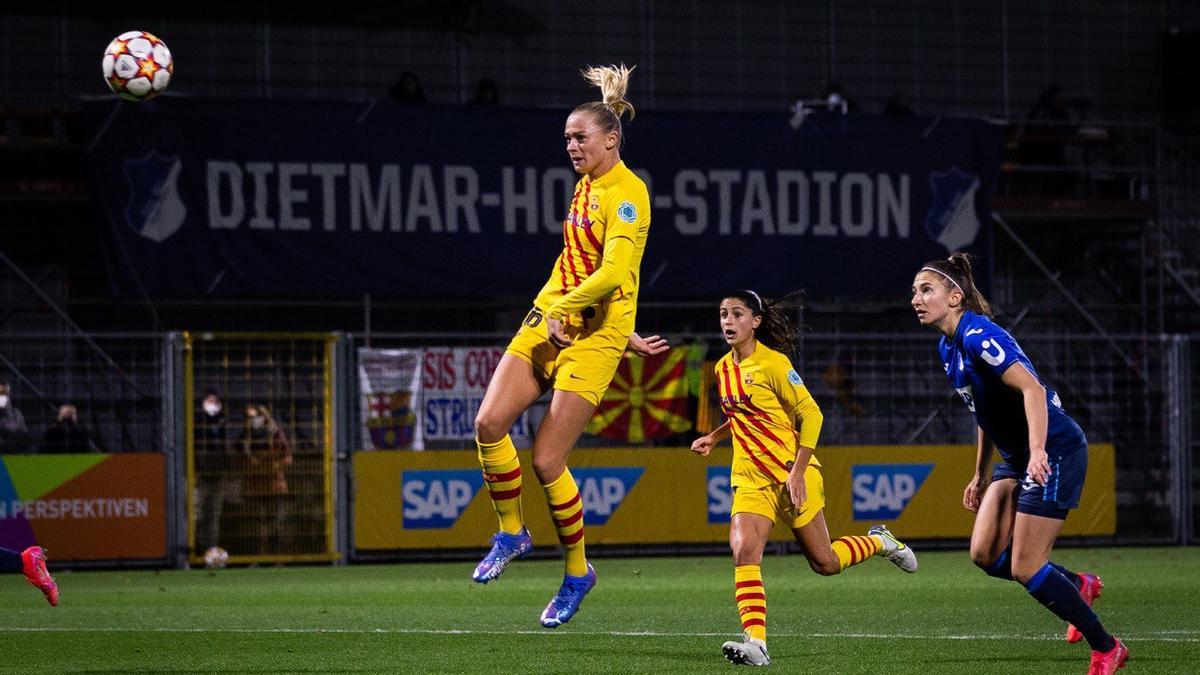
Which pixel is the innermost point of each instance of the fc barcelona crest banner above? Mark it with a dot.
(220, 198)
(390, 391)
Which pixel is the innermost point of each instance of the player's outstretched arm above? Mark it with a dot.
(647, 346)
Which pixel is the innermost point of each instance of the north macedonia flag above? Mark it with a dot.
(647, 399)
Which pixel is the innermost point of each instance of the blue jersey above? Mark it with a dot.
(975, 360)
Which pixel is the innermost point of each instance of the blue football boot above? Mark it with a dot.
(505, 549)
(570, 595)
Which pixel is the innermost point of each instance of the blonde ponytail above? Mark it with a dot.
(612, 80)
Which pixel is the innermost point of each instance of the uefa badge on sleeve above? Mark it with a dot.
(627, 212)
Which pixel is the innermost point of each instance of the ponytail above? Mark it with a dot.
(612, 82)
(957, 275)
(776, 329)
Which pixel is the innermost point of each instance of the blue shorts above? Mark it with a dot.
(1061, 492)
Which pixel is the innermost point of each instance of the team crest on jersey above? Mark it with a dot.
(794, 377)
(594, 203)
(748, 378)
(627, 212)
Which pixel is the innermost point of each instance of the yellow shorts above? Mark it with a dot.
(774, 502)
(585, 368)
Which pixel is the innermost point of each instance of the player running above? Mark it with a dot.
(775, 473)
(31, 562)
(571, 342)
(1043, 454)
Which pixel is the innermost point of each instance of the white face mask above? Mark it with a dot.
(212, 408)
(258, 421)
(4, 401)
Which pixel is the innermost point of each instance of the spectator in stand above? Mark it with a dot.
(836, 99)
(486, 93)
(407, 88)
(217, 466)
(268, 454)
(14, 435)
(66, 435)
(1048, 134)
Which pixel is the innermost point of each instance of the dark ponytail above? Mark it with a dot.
(956, 274)
(776, 330)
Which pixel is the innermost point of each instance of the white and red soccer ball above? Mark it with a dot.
(137, 66)
(215, 558)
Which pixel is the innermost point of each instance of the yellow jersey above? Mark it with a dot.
(614, 206)
(762, 396)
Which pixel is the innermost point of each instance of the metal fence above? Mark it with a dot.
(261, 469)
(115, 382)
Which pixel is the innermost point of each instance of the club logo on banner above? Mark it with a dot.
(647, 399)
(434, 500)
(389, 385)
(881, 491)
(453, 382)
(155, 209)
(951, 220)
(602, 490)
(720, 496)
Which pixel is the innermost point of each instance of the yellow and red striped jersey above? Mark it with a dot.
(616, 204)
(762, 396)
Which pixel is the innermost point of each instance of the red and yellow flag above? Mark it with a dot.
(648, 398)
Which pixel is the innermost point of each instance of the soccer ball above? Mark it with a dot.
(215, 558)
(137, 66)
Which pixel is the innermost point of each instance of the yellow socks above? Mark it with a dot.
(853, 550)
(502, 475)
(751, 600)
(566, 510)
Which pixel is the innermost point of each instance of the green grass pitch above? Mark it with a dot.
(647, 615)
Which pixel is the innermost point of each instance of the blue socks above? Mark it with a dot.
(1057, 594)
(1002, 569)
(10, 561)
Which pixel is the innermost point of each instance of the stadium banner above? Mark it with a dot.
(208, 197)
(453, 382)
(389, 382)
(85, 507)
(668, 496)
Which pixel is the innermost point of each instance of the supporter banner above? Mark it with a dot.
(668, 495)
(85, 507)
(212, 197)
(453, 381)
(389, 382)
(648, 398)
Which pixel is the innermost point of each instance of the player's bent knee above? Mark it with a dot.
(983, 559)
(489, 428)
(744, 551)
(825, 568)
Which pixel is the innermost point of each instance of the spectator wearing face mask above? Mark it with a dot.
(216, 470)
(66, 435)
(14, 435)
(268, 454)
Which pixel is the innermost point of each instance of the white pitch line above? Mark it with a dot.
(470, 631)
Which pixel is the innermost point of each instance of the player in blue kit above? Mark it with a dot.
(1021, 510)
(32, 563)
